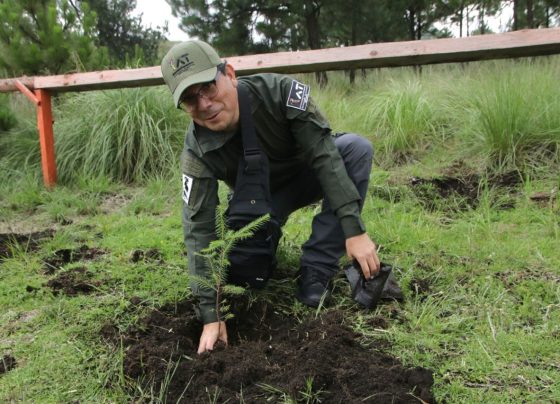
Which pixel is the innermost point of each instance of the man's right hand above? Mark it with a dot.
(212, 333)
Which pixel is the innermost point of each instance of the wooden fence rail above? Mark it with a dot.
(449, 50)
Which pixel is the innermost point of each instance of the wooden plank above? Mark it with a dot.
(448, 50)
(497, 46)
(106, 79)
(7, 85)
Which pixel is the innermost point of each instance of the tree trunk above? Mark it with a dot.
(461, 21)
(515, 16)
(312, 11)
(468, 23)
(481, 20)
(412, 23)
(530, 14)
(354, 37)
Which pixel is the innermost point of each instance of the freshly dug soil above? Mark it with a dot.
(66, 256)
(30, 241)
(269, 355)
(7, 363)
(74, 282)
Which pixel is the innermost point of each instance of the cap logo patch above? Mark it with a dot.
(181, 64)
(299, 95)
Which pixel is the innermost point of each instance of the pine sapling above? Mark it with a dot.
(216, 255)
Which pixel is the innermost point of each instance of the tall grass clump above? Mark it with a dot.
(19, 147)
(512, 114)
(18, 134)
(404, 118)
(7, 116)
(125, 135)
(338, 102)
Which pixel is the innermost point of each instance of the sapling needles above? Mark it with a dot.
(216, 255)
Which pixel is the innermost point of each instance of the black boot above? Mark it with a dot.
(313, 286)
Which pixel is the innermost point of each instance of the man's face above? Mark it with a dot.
(218, 113)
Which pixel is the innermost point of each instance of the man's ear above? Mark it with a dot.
(230, 72)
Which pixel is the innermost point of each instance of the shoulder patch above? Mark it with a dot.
(299, 95)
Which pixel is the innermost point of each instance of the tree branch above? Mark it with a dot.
(76, 9)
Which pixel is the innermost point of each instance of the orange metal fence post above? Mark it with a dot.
(45, 124)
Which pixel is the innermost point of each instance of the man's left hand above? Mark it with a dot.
(363, 250)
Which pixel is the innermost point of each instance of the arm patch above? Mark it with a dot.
(299, 96)
(187, 188)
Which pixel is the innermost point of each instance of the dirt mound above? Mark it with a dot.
(7, 363)
(29, 242)
(270, 357)
(73, 282)
(66, 256)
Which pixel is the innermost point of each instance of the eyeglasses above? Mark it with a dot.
(209, 90)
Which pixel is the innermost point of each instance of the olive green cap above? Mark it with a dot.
(189, 63)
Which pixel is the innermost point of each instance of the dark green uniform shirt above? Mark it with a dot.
(293, 133)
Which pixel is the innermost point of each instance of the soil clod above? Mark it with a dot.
(544, 198)
(73, 282)
(31, 289)
(7, 363)
(66, 256)
(149, 255)
(269, 356)
(421, 287)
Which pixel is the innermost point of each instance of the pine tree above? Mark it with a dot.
(123, 34)
(46, 36)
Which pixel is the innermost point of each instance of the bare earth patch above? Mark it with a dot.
(466, 189)
(66, 256)
(268, 354)
(28, 242)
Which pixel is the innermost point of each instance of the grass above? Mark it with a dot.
(482, 288)
(513, 120)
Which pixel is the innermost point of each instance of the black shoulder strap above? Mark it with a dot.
(251, 197)
(251, 151)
